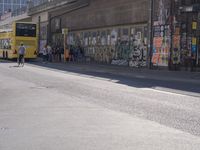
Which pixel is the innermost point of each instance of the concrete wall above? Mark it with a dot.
(102, 13)
(43, 25)
(43, 17)
(109, 31)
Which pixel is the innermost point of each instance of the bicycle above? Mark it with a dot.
(20, 60)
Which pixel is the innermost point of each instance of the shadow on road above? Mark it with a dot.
(133, 77)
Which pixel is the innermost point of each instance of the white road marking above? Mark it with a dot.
(164, 92)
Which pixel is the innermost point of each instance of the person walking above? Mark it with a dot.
(22, 52)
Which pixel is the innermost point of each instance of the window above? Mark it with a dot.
(28, 30)
(5, 44)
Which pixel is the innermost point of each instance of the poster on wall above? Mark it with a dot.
(41, 46)
(94, 40)
(161, 33)
(108, 39)
(125, 35)
(194, 45)
(103, 38)
(113, 39)
(161, 45)
(57, 23)
(89, 38)
(43, 32)
(71, 39)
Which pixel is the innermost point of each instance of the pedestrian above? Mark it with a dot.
(193, 62)
(58, 57)
(75, 51)
(71, 53)
(22, 52)
(54, 54)
(45, 54)
(81, 51)
(186, 59)
(49, 50)
(61, 51)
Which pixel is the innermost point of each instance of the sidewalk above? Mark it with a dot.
(141, 73)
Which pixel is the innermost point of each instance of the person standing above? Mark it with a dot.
(49, 50)
(45, 54)
(71, 53)
(193, 62)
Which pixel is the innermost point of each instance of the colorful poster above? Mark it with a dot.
(161, 45)
(194, 25)
(194, 48)
(194, 41)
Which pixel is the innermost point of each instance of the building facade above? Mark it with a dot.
(113, 32)
(11, 5)
(163, 33)
(176, 26)
(39, 11)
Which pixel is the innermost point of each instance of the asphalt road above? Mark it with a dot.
(46, 109)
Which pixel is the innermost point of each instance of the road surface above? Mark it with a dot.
(50, 109)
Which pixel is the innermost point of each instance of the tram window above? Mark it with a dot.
(27, 30)
(5, 44)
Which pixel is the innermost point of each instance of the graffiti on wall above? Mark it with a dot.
(138, 52)
(131, 49)
(118, 46)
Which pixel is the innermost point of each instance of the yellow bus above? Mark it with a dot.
(11, 39)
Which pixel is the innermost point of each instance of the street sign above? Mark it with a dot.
(65, 31)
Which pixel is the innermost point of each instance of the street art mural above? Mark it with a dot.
(124, 46)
